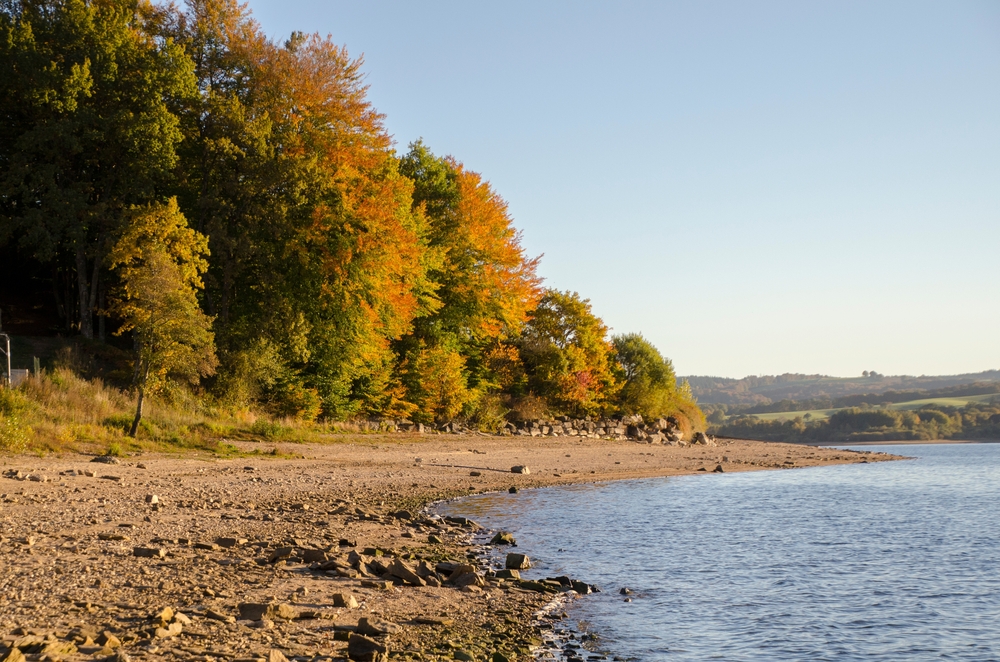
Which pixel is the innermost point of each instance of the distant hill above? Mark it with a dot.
(768, 389)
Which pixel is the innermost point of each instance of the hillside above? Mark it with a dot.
(763, 390)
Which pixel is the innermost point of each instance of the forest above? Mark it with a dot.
(226, 217)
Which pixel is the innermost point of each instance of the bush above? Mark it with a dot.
(14, 434)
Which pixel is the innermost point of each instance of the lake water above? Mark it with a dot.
(884, 561)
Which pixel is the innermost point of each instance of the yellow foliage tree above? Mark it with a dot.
(159, 261)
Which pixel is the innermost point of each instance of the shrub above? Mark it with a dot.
(14, 433)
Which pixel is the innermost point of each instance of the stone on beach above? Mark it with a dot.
(517, 562)
(372, 626)
(362, 649)
(520, 469)
(503, 538)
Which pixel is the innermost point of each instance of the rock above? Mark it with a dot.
(475, 474)
(15, 655)
(164, 616)
(345, 600)
(580, 587)
(152, 498)
(276, 656)
(108, 640)
(172, 630)
(466, 579)
(182, 619)
(403, 514)
(508, 574)
(216, 616)
(512, 490)
(314, 555)
(362, 649)
(463, 655)
(149, 552)
(500, 657)
(520, 469)
(381, 585)
(625, 591)
(254, 611)
(372, 626)
(517, 562)
(280, 554)
(503, 538)
(400, 569)
(433, 620)
(106, 459)
(718, 469)
(434, 540)
(701, 439)
(229, 543)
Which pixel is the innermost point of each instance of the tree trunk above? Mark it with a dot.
(138, 413)
(102, 316)
(86, 318)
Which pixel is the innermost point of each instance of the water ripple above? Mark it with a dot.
(889, 561)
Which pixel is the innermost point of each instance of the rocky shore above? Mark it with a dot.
(296, 552)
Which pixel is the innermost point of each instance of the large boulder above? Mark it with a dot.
(362, 649)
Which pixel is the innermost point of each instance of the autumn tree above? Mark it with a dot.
(159, 261)
(86, 96)
(568, 357)
(486, 283)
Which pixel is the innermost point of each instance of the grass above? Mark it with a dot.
(60, 411)
(822, 414)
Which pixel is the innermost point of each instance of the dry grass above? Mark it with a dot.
(63, 412)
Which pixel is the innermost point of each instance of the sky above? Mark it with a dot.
(756, 187)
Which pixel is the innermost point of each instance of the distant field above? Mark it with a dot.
(820, 414)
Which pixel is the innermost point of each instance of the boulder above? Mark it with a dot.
(369, 625)
(517, 562)
(344, 600)
(253, 611)
(149, 552)
(503, 538)
(362, 649)
(520, 469)
(401, 570)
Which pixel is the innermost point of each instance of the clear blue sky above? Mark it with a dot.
(758, 187)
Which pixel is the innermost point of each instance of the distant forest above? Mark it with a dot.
(768, 389)
(860, 424)
(213, 212)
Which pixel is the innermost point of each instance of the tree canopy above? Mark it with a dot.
(240, 197)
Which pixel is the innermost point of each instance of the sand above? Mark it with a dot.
(67, 541)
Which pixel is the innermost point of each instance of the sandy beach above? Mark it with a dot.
(289, 550)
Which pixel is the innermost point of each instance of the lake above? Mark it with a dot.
(882, 561)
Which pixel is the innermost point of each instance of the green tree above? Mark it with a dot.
(649, 384)
(87, 97)
(159, 262)
(567, 355)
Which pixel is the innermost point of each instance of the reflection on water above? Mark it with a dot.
(886, 561)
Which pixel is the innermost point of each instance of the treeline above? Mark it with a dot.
(857, 424)
(233, 209)
(768, 390)
(863, 400)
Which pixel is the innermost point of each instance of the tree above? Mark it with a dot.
(88, 128)
(649, 384)
(486, 284)
(159, 261)
(567, 355)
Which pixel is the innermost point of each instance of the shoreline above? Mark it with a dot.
(256, 529)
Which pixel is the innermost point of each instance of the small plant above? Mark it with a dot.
(115, 450)
(14, 434)
(265, 428)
